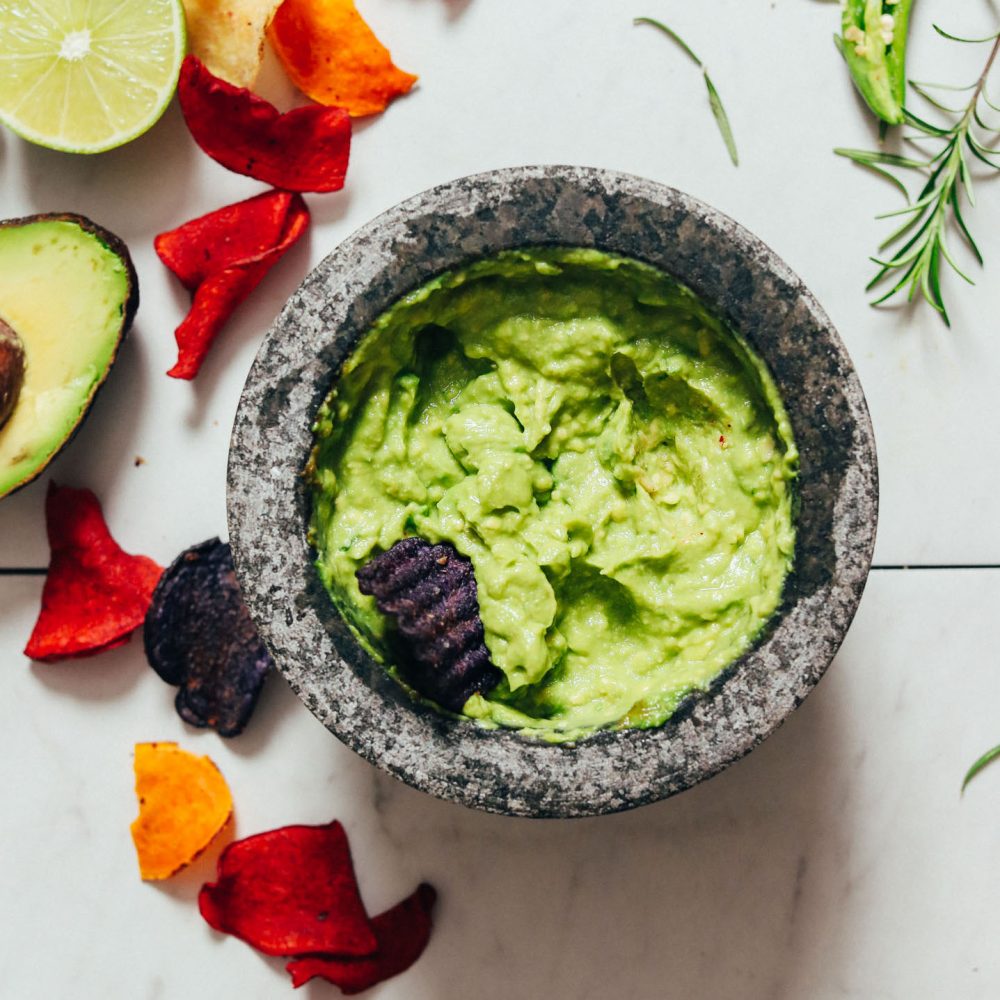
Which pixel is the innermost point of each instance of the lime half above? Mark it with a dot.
(87, 75)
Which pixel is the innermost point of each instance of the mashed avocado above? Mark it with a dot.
(617, 465)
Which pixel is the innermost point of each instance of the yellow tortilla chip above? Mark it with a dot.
(332, 56)
(184, 803)
(228, 36)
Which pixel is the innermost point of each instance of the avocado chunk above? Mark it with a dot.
(11, 370)
(68, 294)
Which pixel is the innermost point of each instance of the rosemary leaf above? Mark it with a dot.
(722, 120)
(932, 100)
(954, 264)
(984, 151)
(867, 157)
(670, 33)
(965, 41)
(987, 758)
(989, 103)
(914, 207)
(714, 100)
(943, 86)
(964, 229)
(871, 162)
(891, 178)
(926, 127)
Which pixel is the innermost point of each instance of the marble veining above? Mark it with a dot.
(836, 861)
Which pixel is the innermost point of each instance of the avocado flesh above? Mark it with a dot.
(69, 290)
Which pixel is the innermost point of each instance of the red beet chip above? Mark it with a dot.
(221, 258)
(402, 934)
(290, 891)
(305, 149)
(95, 594)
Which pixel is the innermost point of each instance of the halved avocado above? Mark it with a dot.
(68, 292)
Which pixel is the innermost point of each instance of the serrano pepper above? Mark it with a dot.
(873, 42)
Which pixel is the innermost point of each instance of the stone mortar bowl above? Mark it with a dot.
(269, 506)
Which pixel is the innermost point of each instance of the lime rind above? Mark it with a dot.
(86, 76)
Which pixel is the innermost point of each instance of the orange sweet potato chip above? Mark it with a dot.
(184, 803)
(333, 57)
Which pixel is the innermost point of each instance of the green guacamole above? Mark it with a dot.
(616, 463)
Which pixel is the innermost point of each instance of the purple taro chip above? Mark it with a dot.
(430, 590)
(199, 636)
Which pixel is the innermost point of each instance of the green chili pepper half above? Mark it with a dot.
(873, 42)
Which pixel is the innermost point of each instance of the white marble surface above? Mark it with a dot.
(836, 861)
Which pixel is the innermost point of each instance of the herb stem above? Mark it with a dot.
(970, 111)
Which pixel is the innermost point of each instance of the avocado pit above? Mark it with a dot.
(11, 370)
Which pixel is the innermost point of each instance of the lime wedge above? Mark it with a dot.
(87, 75)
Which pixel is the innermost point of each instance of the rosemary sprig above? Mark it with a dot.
(919, 246)
(714, 101)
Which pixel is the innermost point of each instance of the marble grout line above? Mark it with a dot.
(933, 566)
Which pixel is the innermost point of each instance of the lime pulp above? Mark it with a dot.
(88, 75)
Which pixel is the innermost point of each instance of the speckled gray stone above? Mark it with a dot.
(750, 288)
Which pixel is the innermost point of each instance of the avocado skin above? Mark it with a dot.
(117, 247)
